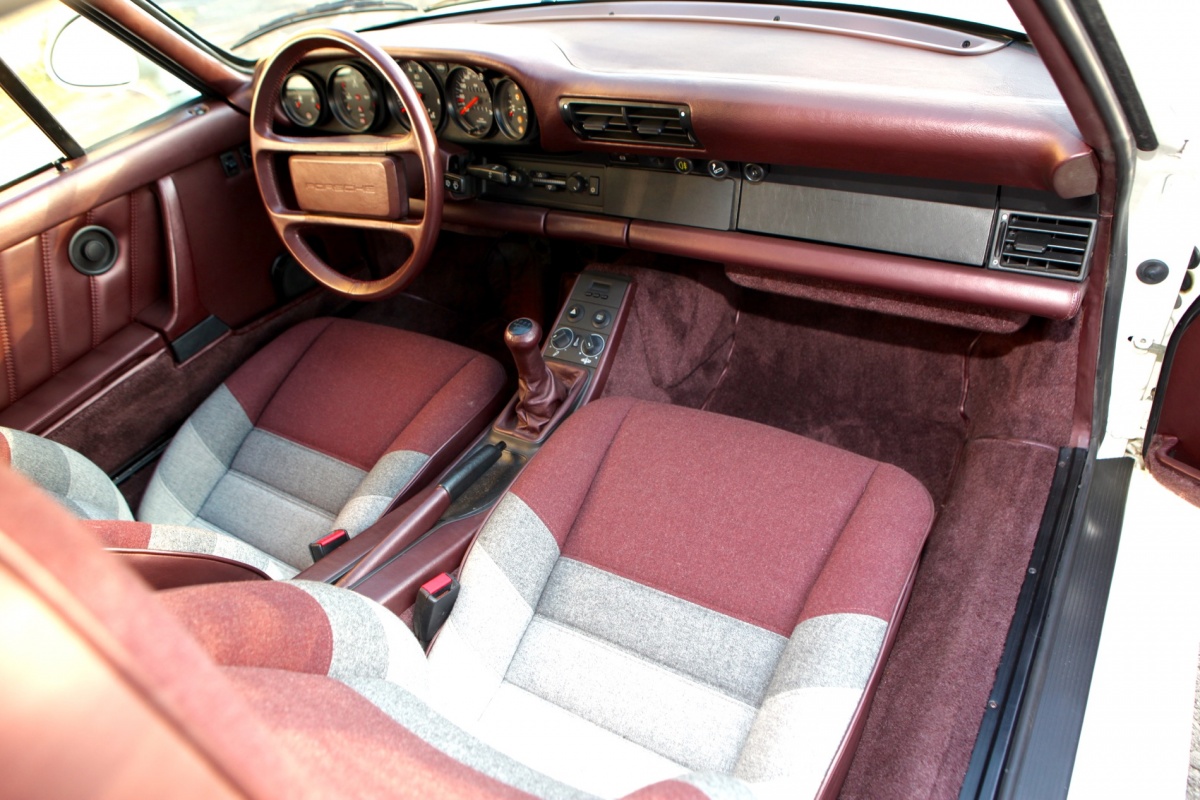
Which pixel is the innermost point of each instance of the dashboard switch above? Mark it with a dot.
(754, 172)
(718, 169)
(562, 338)
(592, 345)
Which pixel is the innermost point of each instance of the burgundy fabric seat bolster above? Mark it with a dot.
(320, 430)
(689, 592)
(250, 732)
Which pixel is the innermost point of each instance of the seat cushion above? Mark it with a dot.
(668, 593)
(318, 431)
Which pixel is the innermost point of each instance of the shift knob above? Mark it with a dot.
(539, 391)
(522, 337)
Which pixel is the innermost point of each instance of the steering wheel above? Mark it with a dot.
(351, 181)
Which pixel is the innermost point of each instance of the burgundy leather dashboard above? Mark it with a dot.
(760, 90)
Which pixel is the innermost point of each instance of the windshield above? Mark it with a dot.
(253, 30)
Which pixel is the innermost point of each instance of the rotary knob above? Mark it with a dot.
(576, 183)
(592, 345)
(562, 338)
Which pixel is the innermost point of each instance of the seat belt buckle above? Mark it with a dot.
(328, 543)
(434, 601)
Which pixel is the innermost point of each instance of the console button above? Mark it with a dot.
(601, 318)
(574, 312)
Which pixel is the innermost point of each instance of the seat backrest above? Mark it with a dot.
(71, 478)
(105, 673)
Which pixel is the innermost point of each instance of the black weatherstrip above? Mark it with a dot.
(37, 112)
(1117, 69)
(999, 719)
(1042, 756)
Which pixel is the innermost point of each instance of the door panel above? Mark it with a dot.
(1172, 446)
(53, 315)
(193, 240)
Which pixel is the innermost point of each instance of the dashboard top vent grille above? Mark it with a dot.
(1043, 244)
(635, 123)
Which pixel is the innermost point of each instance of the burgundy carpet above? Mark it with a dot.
(977, 417)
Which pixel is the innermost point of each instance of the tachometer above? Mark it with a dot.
(302, 100)
(512, 110)
(470, 101)
(353, 98)
(427, 88)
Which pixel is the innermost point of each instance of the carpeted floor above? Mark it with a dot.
(978, 418)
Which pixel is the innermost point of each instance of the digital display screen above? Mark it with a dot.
(600, 288)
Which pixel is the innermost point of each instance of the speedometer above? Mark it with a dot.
(470, 101)
(427, 88)
(353, 98)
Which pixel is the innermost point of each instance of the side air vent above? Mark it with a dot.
(641, 123)
(1043, 244)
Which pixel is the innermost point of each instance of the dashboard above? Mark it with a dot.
(817, 143)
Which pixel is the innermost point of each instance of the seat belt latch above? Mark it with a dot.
(435, 598)
(328, 543)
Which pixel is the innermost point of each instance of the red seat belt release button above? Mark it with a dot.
(435, 599)
(328, 543)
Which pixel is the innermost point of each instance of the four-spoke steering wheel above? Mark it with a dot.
(353, 180)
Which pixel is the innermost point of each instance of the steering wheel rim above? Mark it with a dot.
(266, 147)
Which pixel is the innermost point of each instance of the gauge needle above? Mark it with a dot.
(469, 106)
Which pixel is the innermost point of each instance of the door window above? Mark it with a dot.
(94, 86)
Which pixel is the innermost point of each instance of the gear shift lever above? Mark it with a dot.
(539, 391)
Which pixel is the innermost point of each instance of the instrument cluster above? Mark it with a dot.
(463, 103)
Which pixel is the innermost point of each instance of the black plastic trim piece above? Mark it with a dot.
(139, 463)
(15, 88)
(195, 339)
(471, 469)
(1046, 737)
(1164, 375)
(985, 769)
(1117, 69)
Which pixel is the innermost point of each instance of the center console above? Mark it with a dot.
(431, 533)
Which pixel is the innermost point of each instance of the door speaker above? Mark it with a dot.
(93, 250)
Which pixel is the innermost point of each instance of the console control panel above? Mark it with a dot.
(549, 183)
(582, 331)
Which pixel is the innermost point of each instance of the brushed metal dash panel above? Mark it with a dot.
(944, 231)
(695, 200)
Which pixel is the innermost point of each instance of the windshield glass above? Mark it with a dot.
(253, 30)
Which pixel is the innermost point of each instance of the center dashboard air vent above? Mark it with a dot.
(644, 123)
(1043, 244)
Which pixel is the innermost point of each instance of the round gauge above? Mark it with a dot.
(470, 101)
(352, 98)
(302, 100)
(512, 110)
(427, 88)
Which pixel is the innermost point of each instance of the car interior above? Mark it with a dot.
(632, 398)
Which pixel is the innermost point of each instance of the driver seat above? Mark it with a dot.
(318, 431)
